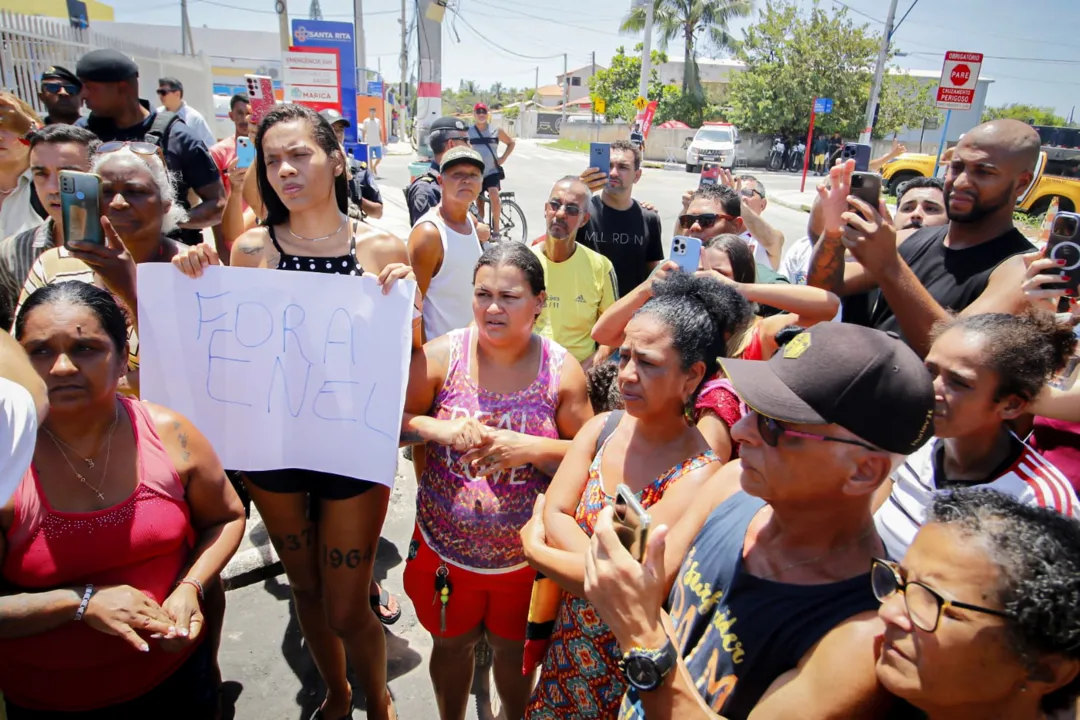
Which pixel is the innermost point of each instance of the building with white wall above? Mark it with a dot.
(578, 82)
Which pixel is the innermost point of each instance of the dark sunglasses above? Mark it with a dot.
(924, 605)
(56, 87)
(162, 92)
(748, 193)
(771, 430)
(571, 210)
(139, 148)
(706, 220)
(481, 112)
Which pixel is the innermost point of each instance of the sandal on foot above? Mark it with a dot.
(382, 600)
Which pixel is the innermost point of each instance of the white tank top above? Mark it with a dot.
(448, 303)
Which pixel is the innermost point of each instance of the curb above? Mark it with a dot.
(790, 204)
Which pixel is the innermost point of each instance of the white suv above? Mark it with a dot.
(713, 143)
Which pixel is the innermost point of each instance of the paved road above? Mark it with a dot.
(532, 169)
(268, 673)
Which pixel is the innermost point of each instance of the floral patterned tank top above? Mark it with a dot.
(473, 522)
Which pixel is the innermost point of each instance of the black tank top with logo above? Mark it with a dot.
(737, 633)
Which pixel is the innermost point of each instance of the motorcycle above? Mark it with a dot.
(776, 157)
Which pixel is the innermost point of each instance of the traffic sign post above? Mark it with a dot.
(956, 89)
(959, 78)
(823, 106)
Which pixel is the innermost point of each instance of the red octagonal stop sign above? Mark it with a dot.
(960, 75)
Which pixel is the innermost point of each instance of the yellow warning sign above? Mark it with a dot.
(599, 105)
(641, 103)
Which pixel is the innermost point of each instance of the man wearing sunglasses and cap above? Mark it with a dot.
(771, 613)
(111, 91)
(61, 94)
(364, 194)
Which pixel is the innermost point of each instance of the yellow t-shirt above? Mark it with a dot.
(579, 290)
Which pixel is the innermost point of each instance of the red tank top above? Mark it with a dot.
(143, 542)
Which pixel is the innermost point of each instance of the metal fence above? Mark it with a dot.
(30, 44)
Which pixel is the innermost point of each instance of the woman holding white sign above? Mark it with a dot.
(123, 518)
(496, 406)
(329, 553)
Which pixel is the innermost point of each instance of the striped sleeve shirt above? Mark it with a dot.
(17, 255)
(1030, 479)
(58, 265)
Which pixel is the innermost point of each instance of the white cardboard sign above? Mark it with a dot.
(280, 369)
(959, 78)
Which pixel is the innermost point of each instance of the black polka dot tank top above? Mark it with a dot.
(341, 265)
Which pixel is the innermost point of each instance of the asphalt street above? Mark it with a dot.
(532, 169)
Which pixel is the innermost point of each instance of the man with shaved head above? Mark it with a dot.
(581, 283)
(970, 266)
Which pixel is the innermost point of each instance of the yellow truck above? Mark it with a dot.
(1059, 176)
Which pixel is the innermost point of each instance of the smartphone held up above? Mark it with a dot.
(80, 207)
(1064, 248)
(631, 522)
(686, 253)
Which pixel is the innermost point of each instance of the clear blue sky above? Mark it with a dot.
(1034, 31)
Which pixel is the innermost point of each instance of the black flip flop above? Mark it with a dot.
(382, 600)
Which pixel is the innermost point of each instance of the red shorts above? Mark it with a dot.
(498, 601)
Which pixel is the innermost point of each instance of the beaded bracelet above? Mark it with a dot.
(193, 583)
(85, 601)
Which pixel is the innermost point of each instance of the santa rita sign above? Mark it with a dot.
(959, 77)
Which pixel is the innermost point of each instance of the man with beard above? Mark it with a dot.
(970, 266)
(920, 203)
(580, 283)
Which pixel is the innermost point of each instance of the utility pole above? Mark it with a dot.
(592, 103)
(536, 87)
(187, 43)
(646, 48)
(565, 90)
(281, 7)
(358, 39)
(404, 63)
(879, 74)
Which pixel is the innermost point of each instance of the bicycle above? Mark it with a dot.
(512, 224)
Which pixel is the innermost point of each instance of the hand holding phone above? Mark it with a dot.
(631, 522)
(867, 187)
(80, 207)
(1064, 249)
(859, 152)
(245, 152)
(600, 156)
(686, 253)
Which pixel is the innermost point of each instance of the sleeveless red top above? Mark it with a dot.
(143, 542)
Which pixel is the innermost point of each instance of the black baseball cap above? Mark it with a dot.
(864, 380)
(58, 72)
(458, 155)
(449, 123)
(106, 65)
(333, 117)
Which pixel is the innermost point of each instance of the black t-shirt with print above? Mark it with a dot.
(628, 238)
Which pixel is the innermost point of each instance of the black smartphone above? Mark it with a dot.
(867, 187)
(1064, 244)
(631, 522)
(859, 152)
(80, 207)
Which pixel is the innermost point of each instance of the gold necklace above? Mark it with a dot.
(60, 445)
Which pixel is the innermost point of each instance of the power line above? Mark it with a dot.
(480, 35)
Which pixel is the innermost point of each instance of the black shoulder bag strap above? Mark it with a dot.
(158, 134)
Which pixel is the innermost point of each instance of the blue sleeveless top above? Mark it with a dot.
(738, 633)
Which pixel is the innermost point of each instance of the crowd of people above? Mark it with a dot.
(847, 444)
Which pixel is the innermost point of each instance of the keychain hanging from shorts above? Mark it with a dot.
(443, 588)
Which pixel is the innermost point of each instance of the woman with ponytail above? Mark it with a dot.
(671, 344)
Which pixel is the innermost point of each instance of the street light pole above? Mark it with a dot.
(281, 7)
(879, 74)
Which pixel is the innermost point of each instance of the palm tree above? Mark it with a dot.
(692, 20)
(497, 90)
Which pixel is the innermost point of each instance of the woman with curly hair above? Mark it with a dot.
(982, 618)
(987, 369)
(669, 347)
